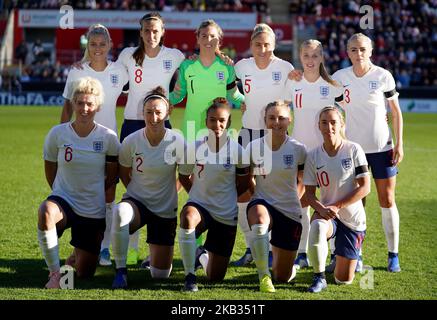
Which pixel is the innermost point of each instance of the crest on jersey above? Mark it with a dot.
(324, 91)
(227, 164)
(220, 75)
(373, 85)
(346, 163)
(114, 79)
(288, 160)
(98, 146)
(276, 76)
(167, 64)
(169, 156)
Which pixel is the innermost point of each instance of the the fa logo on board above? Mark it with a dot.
(167, 64)
(114, 79)
(276, 76)
(324, 91)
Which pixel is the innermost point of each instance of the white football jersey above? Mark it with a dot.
(261, 87)
(278, 184)
(365, 107)
(153, 178)
(80, 178)
(112, 79)
(154, 72)
(214, 176)
(308, 99)
(336, 176)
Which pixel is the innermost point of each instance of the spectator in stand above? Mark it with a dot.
(21, 52)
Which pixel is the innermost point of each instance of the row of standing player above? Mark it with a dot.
(262, 46)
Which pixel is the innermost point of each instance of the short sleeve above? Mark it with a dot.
(231, 71)
(51, 146)
(360, 162)
(302, 155)
(123, 57)
(309, 174)
(238, 69)
(175, 151)
(125, 155)
(113, 144)
(180, 57)
(69, 85)
(187, 168)
(288, 91)
(242, 161)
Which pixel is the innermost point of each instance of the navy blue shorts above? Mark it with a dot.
(220, 238)
(245, 136)
(86, 233)
(381, 164)
(130, 126)
(285, 231)
(160, 231)
(347, 241)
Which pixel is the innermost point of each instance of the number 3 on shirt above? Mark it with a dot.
(347, 97)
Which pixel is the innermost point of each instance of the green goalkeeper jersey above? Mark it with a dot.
(201, 85)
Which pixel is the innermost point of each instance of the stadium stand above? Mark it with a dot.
(405, 33)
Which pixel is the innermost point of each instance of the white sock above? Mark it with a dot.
(48, 242)
(107, 235)
(305, 221)
(244, 224)
(260, 246)
(123, 215)
(343, 282)
(204, 258)
(390, 222)
(160, 273)
(134, 239)
(332, 245)
(318, 246)
(187, 247)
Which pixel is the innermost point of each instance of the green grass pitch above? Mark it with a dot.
(23, 272)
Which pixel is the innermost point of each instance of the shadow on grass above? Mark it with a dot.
(32, 273)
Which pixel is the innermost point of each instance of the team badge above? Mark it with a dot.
(288, 160)
(276, 76)
(98, 146)
(346, 163)
(114, 79)
(167, 64)
(324, 91)
(227, 164)
(373, 85)
(220, 75)
(169, 156)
